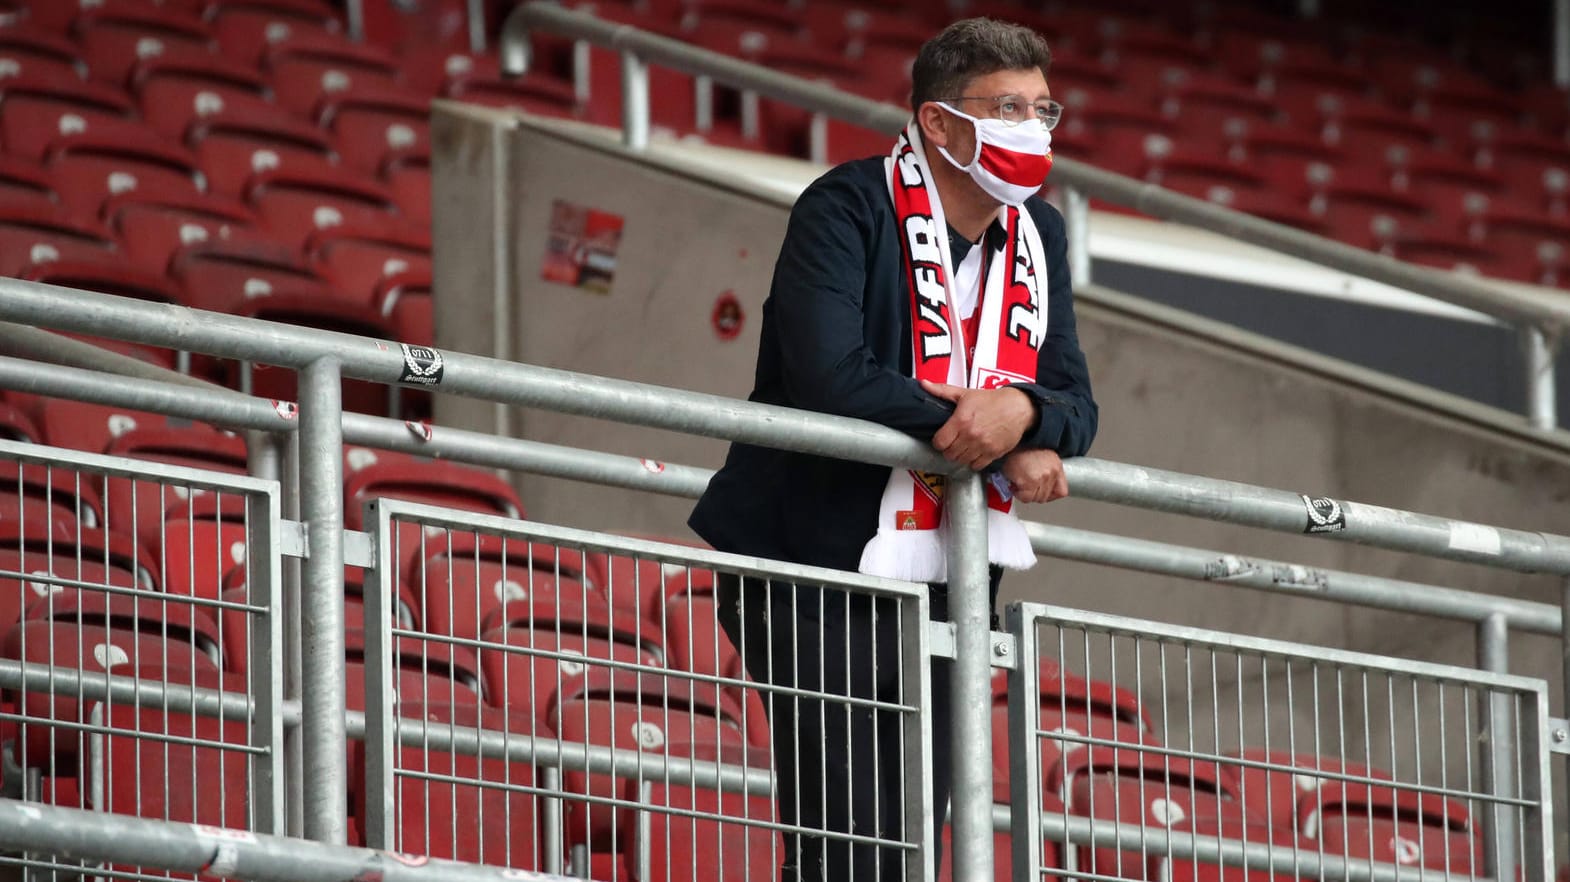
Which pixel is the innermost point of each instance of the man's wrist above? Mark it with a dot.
(1031, 413)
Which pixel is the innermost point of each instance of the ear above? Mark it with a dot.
(934, 124)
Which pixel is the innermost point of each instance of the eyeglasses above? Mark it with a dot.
(1014, 109)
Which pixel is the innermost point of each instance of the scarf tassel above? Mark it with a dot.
(912, 555)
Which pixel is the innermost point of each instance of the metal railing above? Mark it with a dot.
(1541, 316)
(967, 640)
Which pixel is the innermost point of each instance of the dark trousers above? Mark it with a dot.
(839, 768)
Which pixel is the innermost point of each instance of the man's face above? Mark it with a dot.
(959, 136)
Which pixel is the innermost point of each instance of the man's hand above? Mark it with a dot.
(986, 423)
(1036, 475)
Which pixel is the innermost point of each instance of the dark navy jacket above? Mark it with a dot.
(836, 339)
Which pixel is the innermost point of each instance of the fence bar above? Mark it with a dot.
(293, 744)
(380, 589)
(264, 587)
(354, 13)
(970, 609)
(1510, 304)
(321, 603)
(1285, 512)
(634, 101)
(1024, 721)
(1282, 860)
(1542, 401)
(192, 848)
(1076, 218)
(1374, 592)
(1561, 26)
(476, 22)
(1498, 762)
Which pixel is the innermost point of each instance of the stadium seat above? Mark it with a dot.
(309, 68)
(176, 88)
(357, 259)
(1278, 794)
(639, 583)
(296, 200)
(330, 313)
(1388, 825)
(31, 51)
(143, 508)
(429, 483)
(35, 235)
(525, 667)
(35, 111)
(105, 276)
(24, 184)
(464, 578)
(204, 538)
(78, 425)
(404, 300)
(632, 714)
(407, 173)
(114, 37)
(246, 29)
(369, 123)
(426, 671)
(693, 636)
(169, 766)
(101, 161)
(153, 227)
(249, 138)
(235, 621)
(683, 847)
(487, 819)
(16, 425)
(222, 275)
(75, 495)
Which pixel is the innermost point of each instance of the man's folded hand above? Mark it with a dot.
(986, 424)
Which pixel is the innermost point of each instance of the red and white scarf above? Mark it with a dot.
(912, 531)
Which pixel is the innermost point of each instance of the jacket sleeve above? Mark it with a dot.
(818, 302)
(1066, 410)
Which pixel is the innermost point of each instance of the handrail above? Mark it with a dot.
(1541, 315)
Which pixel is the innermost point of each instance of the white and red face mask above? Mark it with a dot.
(1011, 162)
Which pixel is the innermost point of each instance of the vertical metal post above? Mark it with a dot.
(1076, 217)
(380, 592)
(1562, 43)
(634, 101)
(916, 689)
(1024, 747)
(354, 11)
(293, 738)
(1537, 863)
(1498, 761)
(476, 26)
(1542, 400)
(969, 609)
(321, 602)
(264, 588)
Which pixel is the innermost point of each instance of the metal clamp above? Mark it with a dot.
(1559, 736)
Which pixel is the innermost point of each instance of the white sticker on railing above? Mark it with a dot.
(648, 736)
(1476, 538)
(1166, 812)
(507, 589)
(108, 656)
(1406, 851)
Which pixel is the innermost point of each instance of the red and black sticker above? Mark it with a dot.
(1325, 515)
(728, 317)
(422, 365)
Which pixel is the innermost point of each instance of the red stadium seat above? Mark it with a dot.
(356, 260)
(16, 425)
(294, 201)
(404, 300)
(204, 539)
(369, 123)
(328, 314)
(153, 227)
(27, 50)
(23, 184)
(601, 77)
(693, 636)
(465, 578)
(117, 36)
(91, 427)
(105, 276)
(491, 820)
(169, 766)
(224, 275)
(431, 483)
(38, 108)
(539, 660)
(143, 508)
(1378, 129)
(640, 583)
(246, 29)
(538, 94)
(177, 88)
(408, 175)
(683, 846)
(75, 497)
(1278, 794)
(425, 671)
(308, 68)
(631, 714)
(1389, 825)
(101, 161)
(236, 621)
(246, 140)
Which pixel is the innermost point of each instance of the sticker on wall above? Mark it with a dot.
(728, 317)
(581, 246)
(1325, 515)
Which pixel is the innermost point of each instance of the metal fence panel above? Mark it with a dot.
(1150, 751)
(139, 644)
(554, 699)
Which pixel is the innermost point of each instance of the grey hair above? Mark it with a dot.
(970, 48)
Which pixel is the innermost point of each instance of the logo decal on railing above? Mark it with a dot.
(1325, 515)
(421, 365)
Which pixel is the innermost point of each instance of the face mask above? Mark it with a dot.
(1011, 162)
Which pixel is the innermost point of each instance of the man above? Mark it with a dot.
(962, 336)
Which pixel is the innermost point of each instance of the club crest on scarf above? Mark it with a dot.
(1011, 328)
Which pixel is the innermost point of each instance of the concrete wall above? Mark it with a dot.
(1176, 393)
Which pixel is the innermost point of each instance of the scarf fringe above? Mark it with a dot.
(1008, 543)
(912, 555)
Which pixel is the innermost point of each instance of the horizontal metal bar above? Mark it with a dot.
(97, 686)
(1156, 842)
(1374, 592)
(234, 854)
(94, 466)
(1038, 614)
(1541, 309)
(475, 376)
(1285, 512)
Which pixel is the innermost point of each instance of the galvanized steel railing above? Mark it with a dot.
(1540, 315)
